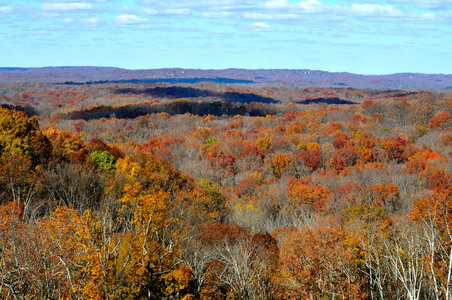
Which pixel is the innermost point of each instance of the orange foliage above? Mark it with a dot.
(436, 208)
(442, 120)
(281, 163)
(446, 140)
(300, 192)
(332, 127)
(295, 127)
(66, 146)
(419, 161)
(316, 264)
(386, 195)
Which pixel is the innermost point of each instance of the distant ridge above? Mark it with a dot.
(268, 77)
(14, 69)
(191, 80)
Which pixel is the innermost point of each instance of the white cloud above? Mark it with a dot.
(94, 21)
(293, 10)
(72, 1)
(374, 10)
(428, 16)
(223, 14)
(130, 20)
(203, 5)
(181, 11)
(425, 4)
(150, 11)
(261, 26)
(276, 4)
(310, 6)
(268, 16)
(5, 10)
(313, 6)
(76, 6)
(88, 21)
(169, 11)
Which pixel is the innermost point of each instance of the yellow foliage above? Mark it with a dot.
(149, 210)
(264, 143)
(164, 115)
(127, 167)
(366, 154)
(302, 145)
(248, 207)
(73, 242)
(281, 162)
(313, 146)
(177, 281)
(254, 175)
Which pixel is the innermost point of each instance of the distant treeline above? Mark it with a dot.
(175, 92)
(164, 80)
(326, 100)
(216, 108)
(31, 111)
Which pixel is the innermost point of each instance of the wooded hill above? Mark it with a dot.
(224, 191)
(263, 77)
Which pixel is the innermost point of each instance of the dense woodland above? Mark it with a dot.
(264, 77)
(224, 191)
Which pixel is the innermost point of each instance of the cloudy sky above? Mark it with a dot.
(366, 37)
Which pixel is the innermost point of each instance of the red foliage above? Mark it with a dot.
(246, 187)
(341, 140)
(349, 193)
(396, 149)
(311, 157)
(252, 149)
(368, 104)
(339, 143)
(79, 125)
(349, 155)
(226, 162)
(159, 142)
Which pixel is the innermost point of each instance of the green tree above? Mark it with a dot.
(103, 159)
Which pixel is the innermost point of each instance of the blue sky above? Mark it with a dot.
(367, 37)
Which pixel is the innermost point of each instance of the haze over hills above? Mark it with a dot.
(269, 77)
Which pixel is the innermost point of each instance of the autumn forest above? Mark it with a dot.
(214, 190)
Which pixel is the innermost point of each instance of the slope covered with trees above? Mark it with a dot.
(263, 77)
(173, 191)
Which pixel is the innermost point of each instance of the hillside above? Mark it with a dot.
(267, 77)
(216, 188)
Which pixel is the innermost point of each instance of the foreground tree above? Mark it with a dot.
(434, 216)
(316, 264)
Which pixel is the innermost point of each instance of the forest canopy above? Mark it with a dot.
(224, 191)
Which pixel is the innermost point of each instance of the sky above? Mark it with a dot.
(366, 37)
